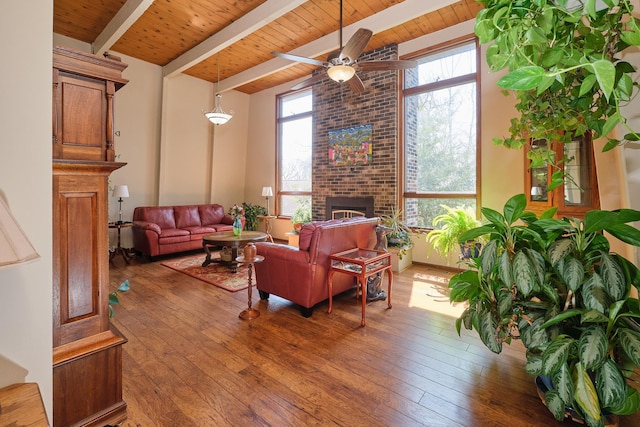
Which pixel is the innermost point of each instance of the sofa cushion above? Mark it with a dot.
(161, 215)
(211, 214)
(186, 216)
(198, 232)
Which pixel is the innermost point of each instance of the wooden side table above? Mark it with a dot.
(361, 263)
(119, 250)
(266, 219)
(250, 312)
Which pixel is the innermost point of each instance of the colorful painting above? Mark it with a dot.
(351, 146)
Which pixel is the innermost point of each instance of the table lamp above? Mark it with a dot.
(266, 193)
(15, 247)
(120, 191)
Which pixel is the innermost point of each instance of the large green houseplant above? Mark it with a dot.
(448, 227)
(399, 235)
(555, 284)
(564, 66)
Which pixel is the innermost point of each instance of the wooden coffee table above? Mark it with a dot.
(227, 238)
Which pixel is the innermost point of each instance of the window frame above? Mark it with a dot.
(428, 87)
(279, 121)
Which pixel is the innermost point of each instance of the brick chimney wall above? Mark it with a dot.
(335, 107)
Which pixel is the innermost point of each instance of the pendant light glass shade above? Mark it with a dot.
(218, 116)
(341, 73)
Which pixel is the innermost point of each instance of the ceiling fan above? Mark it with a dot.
(342, 65)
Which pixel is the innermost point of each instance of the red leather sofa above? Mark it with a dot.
(160, 230)
(300, 274)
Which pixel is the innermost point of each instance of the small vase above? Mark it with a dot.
(237, 226)
(250, 252)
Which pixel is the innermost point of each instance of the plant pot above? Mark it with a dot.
(470, 250)
(398, 265)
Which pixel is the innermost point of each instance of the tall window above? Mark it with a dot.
(441, 153)
(295, 132)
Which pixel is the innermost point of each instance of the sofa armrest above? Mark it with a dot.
(144, 225)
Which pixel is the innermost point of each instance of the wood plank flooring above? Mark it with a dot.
(190, 361)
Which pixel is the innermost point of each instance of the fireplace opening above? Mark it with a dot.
(362, 204)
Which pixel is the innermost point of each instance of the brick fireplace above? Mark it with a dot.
(336, 107)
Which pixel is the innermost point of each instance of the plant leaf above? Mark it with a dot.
(594, 295)
(560, 249)
(605, 73)
(514, 208)
(524, 275)
(555, 355)
(555, 404)
(525, 78)
(505, 269)
(124, 286)
(564, 385)
(487, 326)
(613, 277)
(630, 343)
(585, 392)
(611, 385)
(572, 273)
(631, 404)
(592, 347)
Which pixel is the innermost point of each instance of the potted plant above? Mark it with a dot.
(251, 213)
(113, 296)
(447, 229)
(399, 236)
(555, 285)
(564, 67)
(302, 214)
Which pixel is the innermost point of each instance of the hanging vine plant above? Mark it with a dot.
(564, 67)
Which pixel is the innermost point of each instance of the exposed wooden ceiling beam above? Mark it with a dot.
(125, 18)
(257, 18)
(390, 17)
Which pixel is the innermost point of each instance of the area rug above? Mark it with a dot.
(216, 274)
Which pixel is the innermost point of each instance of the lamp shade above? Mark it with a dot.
(267, 192)
(15, 248)
(120, 191)
(341, 73)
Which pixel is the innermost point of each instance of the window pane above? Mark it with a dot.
(441, 152)
(295, 167)
(421, 212)
(296, 104)
(454, 62)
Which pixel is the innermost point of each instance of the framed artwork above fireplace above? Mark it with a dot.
(351, 146)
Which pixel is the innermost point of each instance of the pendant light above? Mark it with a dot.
(218, 116)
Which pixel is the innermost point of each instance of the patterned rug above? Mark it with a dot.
(216, 274)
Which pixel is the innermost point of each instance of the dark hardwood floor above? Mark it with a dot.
(190, 361)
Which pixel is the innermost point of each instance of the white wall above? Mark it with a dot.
(25, 184)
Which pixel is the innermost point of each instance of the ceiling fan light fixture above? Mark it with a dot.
(218, 116)
(341, 73)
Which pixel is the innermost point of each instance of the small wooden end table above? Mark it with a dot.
(361, 263)
(266, 219)
(119, 250)
(250, 312)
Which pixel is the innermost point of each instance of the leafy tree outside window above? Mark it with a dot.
(295, 132)
(441, 164)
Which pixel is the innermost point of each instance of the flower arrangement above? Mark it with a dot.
(236, 211)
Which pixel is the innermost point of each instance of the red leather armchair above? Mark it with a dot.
(300, 274)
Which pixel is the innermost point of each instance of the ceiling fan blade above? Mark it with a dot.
(355, 46)
(297, 58)
(356, 84)
(385, 65)
(310, 81)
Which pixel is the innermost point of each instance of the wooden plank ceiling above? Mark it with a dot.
(194, 36)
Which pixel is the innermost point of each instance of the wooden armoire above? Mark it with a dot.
(87, 349)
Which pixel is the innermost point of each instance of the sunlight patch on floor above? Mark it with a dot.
(430, 292)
